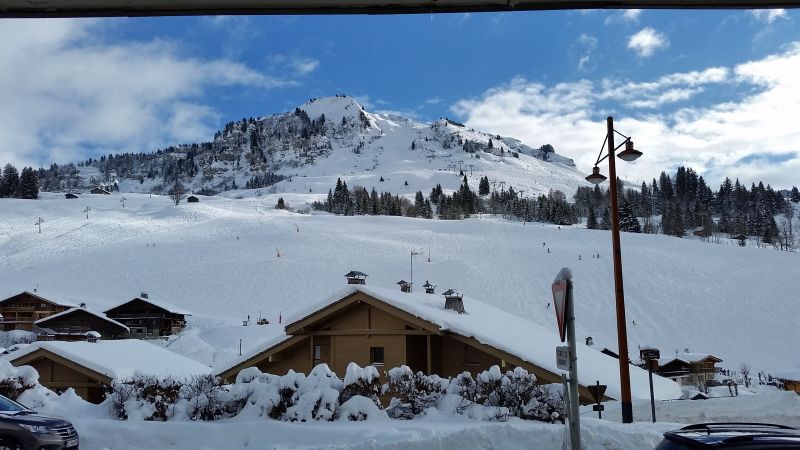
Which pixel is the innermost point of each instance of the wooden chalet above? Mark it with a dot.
(790, 379)
(389, 328)
(688, 368)
(147, 318)
(192, 199)
(20, 311)
(99, 190)
(74, 323)
(70, 196)
(90, 367)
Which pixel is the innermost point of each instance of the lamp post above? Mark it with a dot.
(413, 254)
(629, 154)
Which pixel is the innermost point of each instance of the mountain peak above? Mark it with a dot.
(334, 108)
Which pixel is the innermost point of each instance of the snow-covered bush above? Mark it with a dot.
(9, 338)
(208, 399)
(363, 381)
(412, 393)
(317, 396)
(292, 397)
(144, 397)
(360, 408)
(16, 380)
(518, 391)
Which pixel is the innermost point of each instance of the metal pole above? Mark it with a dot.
(412, 268)
(574, 416)
(599, 411)
(622, 326)
(652, 397)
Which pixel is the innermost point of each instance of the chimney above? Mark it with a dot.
(453, 300)
(405, 286)
(356, 277)
(83, 305)
(144, 295)
(429, 288)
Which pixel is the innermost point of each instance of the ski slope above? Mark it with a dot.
(218, 259)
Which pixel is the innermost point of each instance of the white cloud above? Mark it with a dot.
(585, 46)
(718, 140)
(627, 15)
(304, 66)
(66, 91)
(433, 101)
(647, 41)
(768, 15)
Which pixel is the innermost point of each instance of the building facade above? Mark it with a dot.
(74, 323)
(147, 318)
(22, 310)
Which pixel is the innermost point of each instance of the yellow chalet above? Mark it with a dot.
(436, 334)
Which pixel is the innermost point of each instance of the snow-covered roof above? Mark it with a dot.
(686, 357)
(72, 310)
(512, 334)
(169, 307)
(120, 358)
(36, 295)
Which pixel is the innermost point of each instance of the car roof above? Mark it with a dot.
(736, 434)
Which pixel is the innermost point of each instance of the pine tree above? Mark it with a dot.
(9, 182)
(28, 184)
(483, 186)
(605, 223)
(591, 221)
(627, 220)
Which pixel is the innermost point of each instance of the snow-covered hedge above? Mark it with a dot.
(296, 397)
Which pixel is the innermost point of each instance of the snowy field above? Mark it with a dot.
(218, 259)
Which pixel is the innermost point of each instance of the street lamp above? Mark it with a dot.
(629, 154)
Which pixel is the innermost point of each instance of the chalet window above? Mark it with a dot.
(376, 356)
(317, 354)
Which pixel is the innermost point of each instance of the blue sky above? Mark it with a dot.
(711, 89)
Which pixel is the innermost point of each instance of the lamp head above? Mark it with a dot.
(630, 153)
(596, 177)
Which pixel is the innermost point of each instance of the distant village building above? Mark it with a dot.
(149, 318)
(70, 195)
(20, 311)
(99, 190)
(790, 379)
(192, 199)
(90, 367)
(688, 368)
(74, 323)
(388, 328)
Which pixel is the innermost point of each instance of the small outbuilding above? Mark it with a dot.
(70, 196)
(192, 199)
(90, 367)
(790, 378)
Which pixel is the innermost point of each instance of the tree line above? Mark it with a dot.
(14, 184)
(462, 203)
(685, 202)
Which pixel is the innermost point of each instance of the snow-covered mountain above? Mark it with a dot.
(332, 137)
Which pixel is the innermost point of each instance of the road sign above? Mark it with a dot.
(597, 392)
(598, 407)
(560, 302)
(649, 353)
(652, 365)
(562, 357)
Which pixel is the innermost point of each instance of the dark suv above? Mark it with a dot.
(24, 429)
(741, 436)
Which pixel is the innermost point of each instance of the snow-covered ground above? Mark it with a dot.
(218, 259)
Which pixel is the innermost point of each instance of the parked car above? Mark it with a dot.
(24, 429)
(740, 436)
